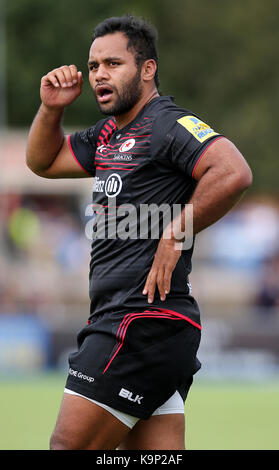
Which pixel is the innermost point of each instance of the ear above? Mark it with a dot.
(148, 70)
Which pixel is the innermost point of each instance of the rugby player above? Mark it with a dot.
(137, 354)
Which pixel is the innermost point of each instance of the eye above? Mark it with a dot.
(93, 66)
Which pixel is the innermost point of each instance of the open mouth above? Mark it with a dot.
(104, 93)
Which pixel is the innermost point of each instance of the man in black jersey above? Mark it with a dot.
(136, 357)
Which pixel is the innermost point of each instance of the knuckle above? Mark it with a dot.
(153, 276)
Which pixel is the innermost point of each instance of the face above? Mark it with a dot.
(113, 74)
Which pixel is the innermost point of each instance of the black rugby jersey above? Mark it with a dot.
(150, 161)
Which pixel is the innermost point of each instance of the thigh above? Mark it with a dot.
(159, 432)
(83, 425)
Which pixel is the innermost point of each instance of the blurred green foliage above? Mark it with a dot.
(218, 58)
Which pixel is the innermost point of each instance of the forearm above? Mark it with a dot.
(45, 138)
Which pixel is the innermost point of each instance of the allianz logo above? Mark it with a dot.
(111, 186)
(98, 186)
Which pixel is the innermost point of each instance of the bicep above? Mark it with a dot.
(223, 157)
(65, 164)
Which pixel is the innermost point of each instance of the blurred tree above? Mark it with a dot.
(217, 58)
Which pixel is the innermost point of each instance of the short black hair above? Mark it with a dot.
(142, 37)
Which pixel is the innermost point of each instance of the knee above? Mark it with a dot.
(60, 442)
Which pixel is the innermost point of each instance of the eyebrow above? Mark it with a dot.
(108, 59)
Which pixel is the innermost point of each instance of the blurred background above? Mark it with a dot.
(220, 60)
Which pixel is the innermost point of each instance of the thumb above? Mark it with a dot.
(80, 78)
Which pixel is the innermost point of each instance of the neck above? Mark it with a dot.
(124, 119)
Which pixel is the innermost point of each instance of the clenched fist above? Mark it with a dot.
(61, 86)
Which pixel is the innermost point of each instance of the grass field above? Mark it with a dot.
(218, 415)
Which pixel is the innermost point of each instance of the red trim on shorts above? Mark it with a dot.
(182, 317)
(129, 317)
(72, 152)
(205, 150)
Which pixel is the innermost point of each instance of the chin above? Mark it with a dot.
(107, 111)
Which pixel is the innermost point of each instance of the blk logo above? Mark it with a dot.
(129, 395)
(113, 185)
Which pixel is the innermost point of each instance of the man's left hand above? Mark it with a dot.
(165, 260)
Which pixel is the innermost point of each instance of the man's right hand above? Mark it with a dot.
(48, 153)
(61, 86)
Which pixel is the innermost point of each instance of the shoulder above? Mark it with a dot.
(170, 115)
(179, 137)
(167, 115)
(165, 122)
(175, 123)
(90, 136)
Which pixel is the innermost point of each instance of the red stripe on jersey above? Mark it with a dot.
(103, 158)
(117, 163)
(112, 168)
(109, 146)
(108, 128)
(140, 127)
(106, 135)
(112, 123)
(203, 153)
(102, 141)
(113, 151)
(136, 136)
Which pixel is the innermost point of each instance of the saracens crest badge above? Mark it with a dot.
(127, 145)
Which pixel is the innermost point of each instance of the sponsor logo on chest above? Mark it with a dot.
(113, 185)
(122, 157)
(110, 186)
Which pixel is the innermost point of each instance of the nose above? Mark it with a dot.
(102, 73)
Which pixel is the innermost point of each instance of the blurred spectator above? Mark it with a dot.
(246, 236)
(268, 296)
(23, 227)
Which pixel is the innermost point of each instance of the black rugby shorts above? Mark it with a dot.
(135, 361)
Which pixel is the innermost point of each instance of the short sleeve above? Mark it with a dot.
(83, 147)
(181, 140)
